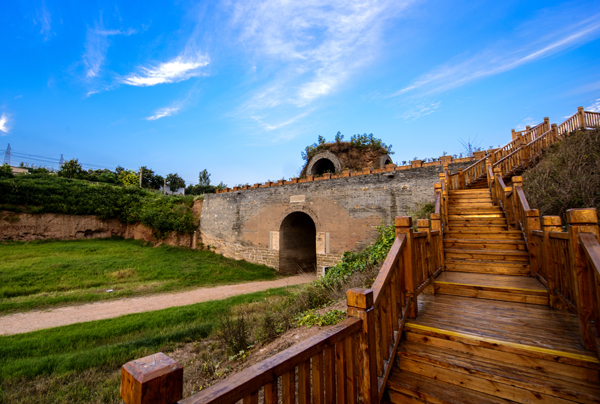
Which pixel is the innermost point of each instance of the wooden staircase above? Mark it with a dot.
(488, 335)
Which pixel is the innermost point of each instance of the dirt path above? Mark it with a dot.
(36, 320)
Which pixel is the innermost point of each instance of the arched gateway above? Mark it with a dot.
(297, 244)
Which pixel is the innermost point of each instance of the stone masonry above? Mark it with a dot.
(245, 224)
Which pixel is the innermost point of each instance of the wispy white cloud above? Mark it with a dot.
(421, 109)
(96, 46)
(306, 50)
(181, 68)
(4, 124)
(163, 112)
(175, 107)
(501, 58)
(44, 19)
(595, 107)
(269, 127)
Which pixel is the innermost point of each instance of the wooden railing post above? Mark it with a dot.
(554, 136)
(404, 226)
(514, 134)
(488, 165)
(581, 116)
(546, 124)
(532, 222)
(154, 379)
(360, 305)
(582, 221)
(461, 179)
(550, 223)
(423, 225)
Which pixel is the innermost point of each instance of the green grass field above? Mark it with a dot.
(42, 274)
(80, 362)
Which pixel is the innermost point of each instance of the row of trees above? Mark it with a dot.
(120, 176)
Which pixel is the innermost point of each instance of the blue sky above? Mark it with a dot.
(241, 87)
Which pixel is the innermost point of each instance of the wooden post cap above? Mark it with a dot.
(551, 221)
(422, 223)
(532, 213)
(359, 298)
(497, 170)
(437, 186)
(435, 216)
(582, 216)
(579, 109)
(154, 379)
(517, 179)
(403, 221)
(553, 125)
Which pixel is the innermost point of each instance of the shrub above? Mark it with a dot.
(567, 176)
(50, 194)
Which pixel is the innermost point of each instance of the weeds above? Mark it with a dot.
(567, 176)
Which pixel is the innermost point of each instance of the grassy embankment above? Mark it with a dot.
(39, 274)
(80, 362)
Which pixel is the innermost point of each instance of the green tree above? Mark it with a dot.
(5, 171)
(174, 182)
(204, 178)
(129, 177)
(70, 169)
(150, 179)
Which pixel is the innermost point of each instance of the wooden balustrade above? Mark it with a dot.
(347, 363)
(566, 262)
(592, 119)
(475, 171)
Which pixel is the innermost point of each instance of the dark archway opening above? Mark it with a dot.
(297, 244)
(387, 161)
(323, 166)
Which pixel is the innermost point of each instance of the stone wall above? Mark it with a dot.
(346, 211)
(28, 227)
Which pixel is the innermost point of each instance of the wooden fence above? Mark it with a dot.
(525, 148)
(568, 263)
(347, 363)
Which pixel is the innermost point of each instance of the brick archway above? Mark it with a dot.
(297, 243)
(323, 162)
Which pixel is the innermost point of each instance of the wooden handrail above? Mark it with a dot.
(244, 383)
(351, 361)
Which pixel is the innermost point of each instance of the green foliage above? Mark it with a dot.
(129, 178)
(359, 262)
(48, 194)
(174, 182)
(150, 179)
(204, 178)
(37, 275)
(567, 177)
(356, 141)
(203, 186)
(311, 317)
(70, 169)
(5, 171)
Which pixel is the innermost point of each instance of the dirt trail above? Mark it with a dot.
(36, 320)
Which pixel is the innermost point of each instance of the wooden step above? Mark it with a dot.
(478, 221)
(495, 255)
(408, 387)
(548, 361)
(488, 267)
(453, 192)
(475, 211)
(507, 381)
(477, 227)
(507, 288)
(474, 215)
(484, 234)
(484, 244)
